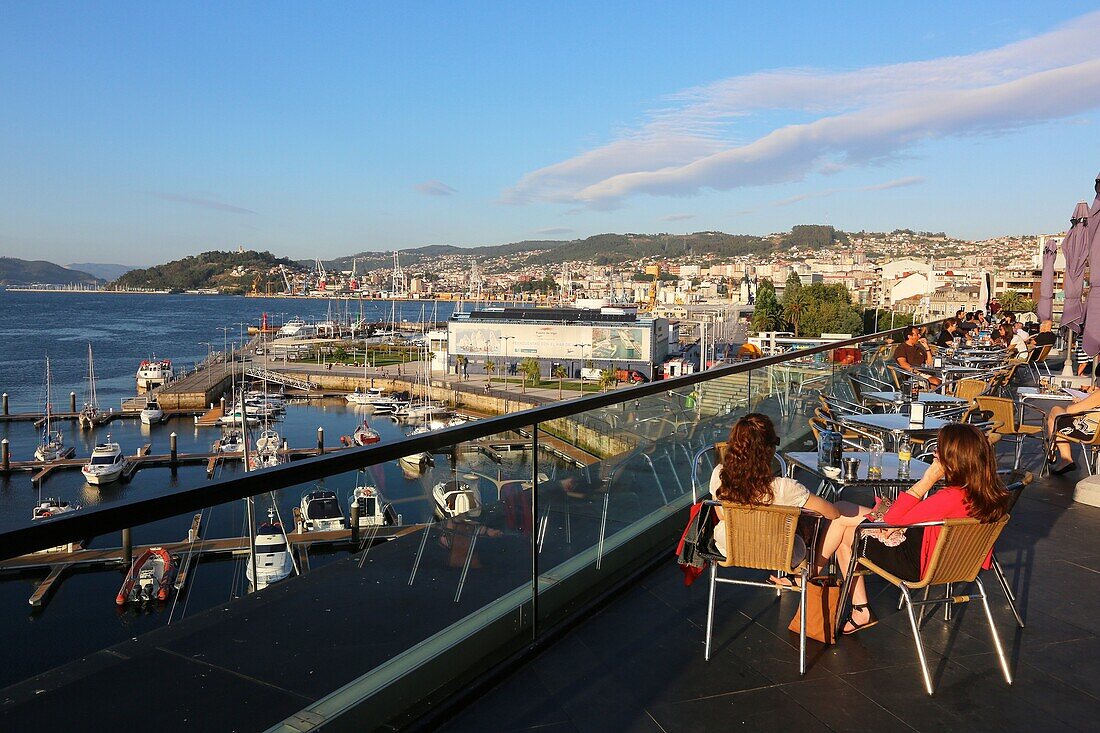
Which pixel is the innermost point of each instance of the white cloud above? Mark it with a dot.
(677, 217)
(860, 116)
(435, 188)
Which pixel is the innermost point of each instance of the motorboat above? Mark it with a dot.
(374, 510)
(424, 411)
(52, 445)
(149, 579)
(454, 498)
(365, 435)
(151, 413)
(273, 561)
(267, 453)
(237, 417)
(153, 373)
(232, 441)
(47, 508)
(389, 406)
(263, 406)
(269, 440)
(296, 328)
(106, 463)
(372, 395)
(321, 511)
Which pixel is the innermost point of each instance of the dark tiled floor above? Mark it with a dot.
(638, 664)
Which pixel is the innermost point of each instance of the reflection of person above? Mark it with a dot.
(1071, 422)
(966, 462)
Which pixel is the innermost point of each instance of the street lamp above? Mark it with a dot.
(506, 339)
(225, 347)
(209, 350)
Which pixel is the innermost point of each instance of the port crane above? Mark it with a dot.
(286, 279)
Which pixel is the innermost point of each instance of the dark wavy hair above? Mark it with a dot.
(746, 475)
(969, 462)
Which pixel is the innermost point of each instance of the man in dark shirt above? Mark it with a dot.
(948, 333)
(913, 352)
(1045, 336)
(969, 324)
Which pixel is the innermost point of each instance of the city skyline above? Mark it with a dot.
(140, 135)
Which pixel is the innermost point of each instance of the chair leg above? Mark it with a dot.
(1000, 573)
(916, 638)
(710, 607)
(947, 607)
(802, 620)
(993, 631)
(1019, 450)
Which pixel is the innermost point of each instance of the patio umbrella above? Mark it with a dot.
(1046, 286)
(1090, 342)
(1075, 249)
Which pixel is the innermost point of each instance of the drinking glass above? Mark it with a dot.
(874, 463)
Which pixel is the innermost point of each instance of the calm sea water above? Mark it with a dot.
(124, 329)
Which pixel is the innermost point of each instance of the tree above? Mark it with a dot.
(461, 362)
(794, 301)
(1014, 301)
(607, 379)
(767, 314)
(560, 373)
(530, 369)
(490, 367)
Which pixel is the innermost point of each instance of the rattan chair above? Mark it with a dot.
(960, 552)
(761, 538)
(968, 389)
(1004, 412)
(1090, 447)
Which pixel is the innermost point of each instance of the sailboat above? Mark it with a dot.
(52, 446)
(267, 445)
(90, 415)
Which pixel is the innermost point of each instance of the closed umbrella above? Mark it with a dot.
(1075, 249)
(1090, 342)
(1046, 286)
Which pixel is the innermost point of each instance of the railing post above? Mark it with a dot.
(127, 549)
(72, 402)
(355, 522)
(5, 453)
(321, 440)
(172, 448)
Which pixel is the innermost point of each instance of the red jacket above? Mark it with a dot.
(947, 503)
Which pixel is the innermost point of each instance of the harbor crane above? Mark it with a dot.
(286, 279)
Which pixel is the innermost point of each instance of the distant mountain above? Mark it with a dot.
(14, 271)
(231, 272)
(102, 270)
(366, 261)
(614, 249)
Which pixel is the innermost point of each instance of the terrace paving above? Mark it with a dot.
(638, 664)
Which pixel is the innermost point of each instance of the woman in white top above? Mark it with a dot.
(745, 477)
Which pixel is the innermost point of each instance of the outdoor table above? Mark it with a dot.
(894, 423)
(888, 485)
(932, 399)
(1026, 395)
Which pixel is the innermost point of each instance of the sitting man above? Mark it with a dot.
(948, 333)
(1046, 336)
(913, 353)
(1017, 347)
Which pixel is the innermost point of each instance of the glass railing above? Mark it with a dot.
(467, 544)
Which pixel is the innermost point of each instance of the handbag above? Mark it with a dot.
(696, 547)
(822, 603)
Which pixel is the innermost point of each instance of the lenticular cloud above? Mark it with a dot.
(862, 116)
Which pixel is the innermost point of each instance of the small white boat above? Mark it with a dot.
(90, 415)
(237, 418)
(374, 510)
(365, 435)
(149, 579)
(369, 397)
(273, 561)
(106, 463)
(153, 373)
(52, 507)
(424, 411)
(269, 440)
(321, 511)
(456, 498)
(151, 413)
(52, 446)
(267, 451)
(232, 441)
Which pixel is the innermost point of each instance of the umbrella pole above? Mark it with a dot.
(1067, 368)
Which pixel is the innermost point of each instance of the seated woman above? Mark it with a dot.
(966, 462)
(1073, 422)
(745, 477)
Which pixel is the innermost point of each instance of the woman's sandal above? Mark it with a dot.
(871, 620)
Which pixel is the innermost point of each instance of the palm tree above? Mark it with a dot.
(1011, 300)
(560, 373)
(607, 379)
(794, 305)
(530, 369)
(490, 367)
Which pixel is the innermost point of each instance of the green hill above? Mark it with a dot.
(14, 271)
(211, 270)
(366, 261)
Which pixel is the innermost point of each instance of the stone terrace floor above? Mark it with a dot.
(637, 665)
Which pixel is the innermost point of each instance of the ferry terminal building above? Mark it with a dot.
(603, 338)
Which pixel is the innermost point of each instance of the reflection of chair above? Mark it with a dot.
(1004, 412)
(761, 538)
(960, 551)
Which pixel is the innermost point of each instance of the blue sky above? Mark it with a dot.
(139, 132)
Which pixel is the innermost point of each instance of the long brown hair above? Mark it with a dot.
(746, 475)
(969, 462)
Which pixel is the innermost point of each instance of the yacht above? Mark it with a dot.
(237, 417)
(424, 411)
(296, 328)
(273, 561)
(151, 413)
(153, 373)
(454, 498)
(374, 510)
(267, 450)
(106, 463)
(232, 442)
(52, 446)
(47, 508)
(372, 395)
(90, 416)
(389, 405)
(321, 511)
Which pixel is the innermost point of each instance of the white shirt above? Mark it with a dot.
(1019, 343)
(785, 492)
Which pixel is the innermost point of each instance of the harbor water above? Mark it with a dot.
(124, 329)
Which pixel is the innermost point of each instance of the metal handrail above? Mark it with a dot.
(89, 522)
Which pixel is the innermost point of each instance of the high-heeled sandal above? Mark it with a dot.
(871, 619)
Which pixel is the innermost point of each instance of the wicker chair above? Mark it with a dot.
(761, 538)
(1090, 447)
(968, 389)
(960, 552)
(1004, 412)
